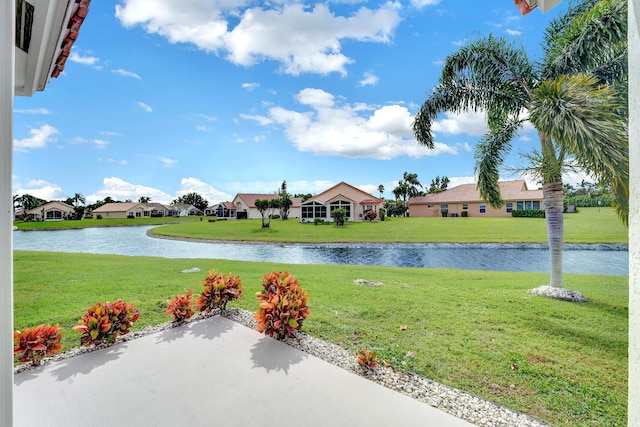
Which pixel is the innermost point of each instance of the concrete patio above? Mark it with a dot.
(210, 372)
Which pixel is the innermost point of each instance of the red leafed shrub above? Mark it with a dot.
(181, 307)
(105, 323)
(367, 359)
(371, 214)
(219, 289)
(36, 343)
(283, 305)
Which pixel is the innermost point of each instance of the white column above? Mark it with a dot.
(7, 43)
(634, 214)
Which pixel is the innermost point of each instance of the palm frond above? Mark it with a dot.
(490, 154)
(591, 37)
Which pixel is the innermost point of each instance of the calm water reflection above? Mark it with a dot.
(134, 241)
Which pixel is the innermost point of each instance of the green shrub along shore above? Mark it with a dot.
(479, 331)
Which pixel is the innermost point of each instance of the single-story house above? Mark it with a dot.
(157, 209)
(245, 205)
(222, 210)
(355, 201)
(182, 209)
(122, 210)
(466, 197)
(51, 211)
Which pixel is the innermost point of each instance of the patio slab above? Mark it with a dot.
(210, 372)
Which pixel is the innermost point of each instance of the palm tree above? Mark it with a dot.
(77, 199)
(381, 190)
(144, 199)
(572, 103)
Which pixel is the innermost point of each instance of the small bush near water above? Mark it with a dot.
(105, 323)
(36, 343)
(283, 305)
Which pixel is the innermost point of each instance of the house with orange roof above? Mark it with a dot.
(51, 211)
(122, 210)
(466, 198)
(355, 201)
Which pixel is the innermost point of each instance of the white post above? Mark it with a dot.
(634, 214)
(7, 70)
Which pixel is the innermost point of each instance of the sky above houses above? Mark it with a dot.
(160, 98)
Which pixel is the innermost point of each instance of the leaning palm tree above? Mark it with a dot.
(576, 111)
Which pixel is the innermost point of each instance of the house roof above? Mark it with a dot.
(44, 39)
(249, 199)
(509, 190)
(117, 207)
(158, 206)
(330, 194)
(51, 205)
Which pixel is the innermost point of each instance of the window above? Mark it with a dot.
(536, 204)
(147, 213)
(341, 204)
(444, 207)
(54, 215)
(520, 206)
(138, 214)
(465, 206)
(314, 210)
(483, 208)
(509, 207)
(429, 206)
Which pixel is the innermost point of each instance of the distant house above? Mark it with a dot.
(51, 211)
(182, 209)
(245, 204)
(157, 209)
(355, 201)
(122, 210)
(222, 210)
(467, 198)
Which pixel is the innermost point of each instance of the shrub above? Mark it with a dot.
(383, 214)
(528, 213)
(219, 289)
(371, 215)
(283, 305)
(445, 213)
(367, 359)
(181, 307)
(98, 216)
(36, 343)
(317, 221)
(105, 323)
(339, 215)
(464, 214)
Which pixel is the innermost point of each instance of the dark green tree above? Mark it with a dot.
(266, 209)
(194, 199)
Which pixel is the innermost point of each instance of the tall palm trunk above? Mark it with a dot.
(553, 207)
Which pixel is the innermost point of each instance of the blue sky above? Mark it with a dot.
(161, 97)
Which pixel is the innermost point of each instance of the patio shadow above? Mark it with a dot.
(267, 353)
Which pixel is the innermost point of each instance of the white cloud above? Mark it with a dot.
(203, 128)
(42, 189)
(424, 3)
(126, 73)
(110, 133)
(262, 120)
(167, 161)
(144, 106)
(33, 111)
(85, 60)
(513, 32)
(100, 143)
(208, 118)
(468, 122)
(303, 39)
(39, 138)
(357, 131)
(250, 86)
(369, 79)
(119, 189)
(118, 162)
(211, 194)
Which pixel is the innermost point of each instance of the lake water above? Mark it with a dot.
(585, 259)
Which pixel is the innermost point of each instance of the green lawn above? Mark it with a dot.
(38, 225)
(590, 225)
(466, 328)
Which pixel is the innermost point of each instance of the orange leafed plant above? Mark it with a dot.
(219, 289)
(104, 323)
(181, 307)
(36, 343)
(367, 359)
(283, 305)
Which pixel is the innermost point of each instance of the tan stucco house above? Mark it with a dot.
(122, 210)
(51, 211)
(245, 205)
(222, 210)
(467, 198)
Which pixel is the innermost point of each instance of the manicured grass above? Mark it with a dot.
(38, 225)
(590, 225)
(564, 363)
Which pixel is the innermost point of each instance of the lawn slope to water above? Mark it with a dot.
(590, 225)
(563, 363)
